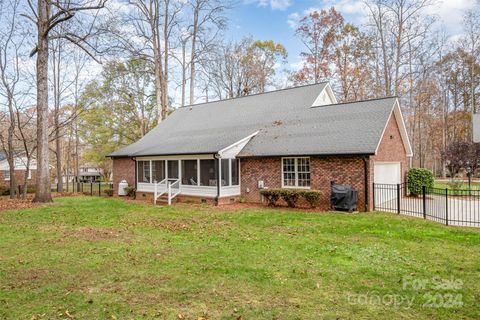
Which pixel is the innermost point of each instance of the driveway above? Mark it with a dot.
(460, 211)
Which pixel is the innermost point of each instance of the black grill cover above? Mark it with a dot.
(343, 197)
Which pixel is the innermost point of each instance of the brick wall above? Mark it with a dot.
(19, 175)
(391, 149)
(323, 170)
(123, 169)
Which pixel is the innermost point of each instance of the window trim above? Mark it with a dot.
(5, 175)
(296, 186)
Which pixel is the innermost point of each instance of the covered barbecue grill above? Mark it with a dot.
(343, 197)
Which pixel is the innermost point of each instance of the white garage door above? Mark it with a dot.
(386, 173)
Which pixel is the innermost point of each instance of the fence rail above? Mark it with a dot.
(450, 207)
(87, 188)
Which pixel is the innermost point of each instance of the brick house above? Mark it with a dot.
(291, 138)
(20, 171)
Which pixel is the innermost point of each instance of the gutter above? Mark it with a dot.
(136, 176)
(307, 155)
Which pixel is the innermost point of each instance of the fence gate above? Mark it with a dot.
(450, 207)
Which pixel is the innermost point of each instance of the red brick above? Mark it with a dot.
(343, 170)
(19, 175)
(123, 169)
(392, 149)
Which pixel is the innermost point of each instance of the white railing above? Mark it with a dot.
(159, 188)
(169, 186)
(173, 189)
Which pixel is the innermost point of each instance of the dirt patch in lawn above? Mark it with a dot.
(175, 225)
(97, 234)
(30, 278)
(17, 204)
(14, 204)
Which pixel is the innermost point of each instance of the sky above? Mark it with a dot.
(277, 19)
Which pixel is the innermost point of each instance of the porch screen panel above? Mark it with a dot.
(235, 172)
(158, 170)
(189, 172)
(225, 172)
(143, 171)
(207, 173)
(172, 169)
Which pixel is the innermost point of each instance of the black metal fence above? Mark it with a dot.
(87, 188)
(450, 207)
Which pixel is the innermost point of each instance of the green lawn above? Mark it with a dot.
(442, 184)
(100, 258)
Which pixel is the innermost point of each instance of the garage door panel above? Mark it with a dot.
(386, 173)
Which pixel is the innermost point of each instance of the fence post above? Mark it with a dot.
(91, 188)
(446, 206)
(424, 191)
(373, 187)
(100, 189)
(398, 198)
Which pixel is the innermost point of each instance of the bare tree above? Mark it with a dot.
(154, 22)
(11, 42)
(207, 21)
(47, 16)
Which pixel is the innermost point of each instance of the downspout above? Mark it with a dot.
(217, 157)
(134, 160)
(365, 172)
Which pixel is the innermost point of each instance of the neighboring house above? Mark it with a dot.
(292, 138)
(89, 173)
(86, 173)
(20, 162)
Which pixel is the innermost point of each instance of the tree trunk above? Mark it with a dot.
(42, 192)
(56, 92)
(157, 58)
(10, 151)
(25, 178)
(193, 55)
(184, 71)
(165, 63)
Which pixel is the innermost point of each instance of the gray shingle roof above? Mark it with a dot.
(286, 122)
(210, 127)
(349, 128)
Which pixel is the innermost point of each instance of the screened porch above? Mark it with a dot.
(202, 175)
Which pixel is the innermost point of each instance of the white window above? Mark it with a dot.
(29, 177)
(6, 174)
(296, 172)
